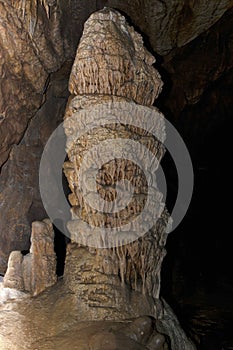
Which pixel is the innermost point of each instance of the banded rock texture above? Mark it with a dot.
(126, 65)
(107, 274)
(35, 271)
(111, 60)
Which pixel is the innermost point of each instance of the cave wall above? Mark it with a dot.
(191, 39)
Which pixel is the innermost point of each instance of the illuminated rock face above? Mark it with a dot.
(113, 272)
(111, 60)
(113, 74)
(35, 271)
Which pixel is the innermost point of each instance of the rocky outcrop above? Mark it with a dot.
(19, 181)
(191, 79)
(35, 271)
(23, 78)
(14, 275)
(31, 47)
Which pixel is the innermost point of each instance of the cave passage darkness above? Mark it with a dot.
(197, 276)
(60, 243)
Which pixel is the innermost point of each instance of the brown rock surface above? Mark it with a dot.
(139, 263)
(43, 257)
(93, 278)
(200, 83)
(23, 78)
(171, 24)
(14, 275)
(102, 279)
(35, 271)
(19, 181)
(190, 78)
(111, 60)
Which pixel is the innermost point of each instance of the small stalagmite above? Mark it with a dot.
(35, 271)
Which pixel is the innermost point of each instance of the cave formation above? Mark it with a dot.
(192, 42)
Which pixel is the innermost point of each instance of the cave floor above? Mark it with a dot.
(51, 321)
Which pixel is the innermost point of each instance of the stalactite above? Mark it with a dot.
(28, 11)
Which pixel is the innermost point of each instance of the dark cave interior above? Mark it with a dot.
(197, 274)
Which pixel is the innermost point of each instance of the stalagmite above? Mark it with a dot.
(35, 271)
(113, 72)
(113, 264)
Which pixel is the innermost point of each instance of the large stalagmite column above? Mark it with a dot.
(111, 125)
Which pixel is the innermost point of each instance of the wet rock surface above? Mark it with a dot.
(52, 320)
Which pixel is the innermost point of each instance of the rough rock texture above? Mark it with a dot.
(113, 171)
(31, 47)
(14, 275)
(171, 24)
(106, 282)
(19, 183)
(37, 270)
(138, 263)
(190, 78)
(111, 60)
(43, 257)
(199, 95)
(93, 277)
(170, 325)
(30, 50)
(23, 78)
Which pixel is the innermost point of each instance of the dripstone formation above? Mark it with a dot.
(113, 74)
(35, 271)
(113, 71)
(112, 268)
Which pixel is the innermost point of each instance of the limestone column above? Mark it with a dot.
(113, 86)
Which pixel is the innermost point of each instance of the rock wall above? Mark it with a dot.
(19, 179)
